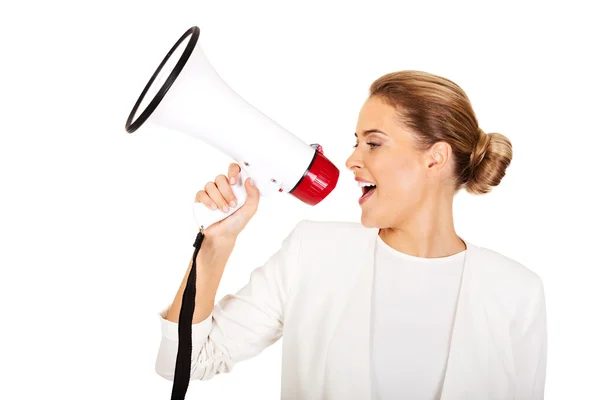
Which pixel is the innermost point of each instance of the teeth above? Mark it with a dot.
(364, 184)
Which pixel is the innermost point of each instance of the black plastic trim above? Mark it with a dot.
(131, 126)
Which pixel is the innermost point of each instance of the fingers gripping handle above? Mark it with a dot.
(205, 216)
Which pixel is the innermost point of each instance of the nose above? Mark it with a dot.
(353, 161)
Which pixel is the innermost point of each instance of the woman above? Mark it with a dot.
(397, 306)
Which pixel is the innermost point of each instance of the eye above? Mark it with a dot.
(370, 144)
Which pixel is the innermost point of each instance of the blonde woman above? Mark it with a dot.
(398, 306)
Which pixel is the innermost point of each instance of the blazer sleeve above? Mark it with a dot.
(530, 348)
(241, 325)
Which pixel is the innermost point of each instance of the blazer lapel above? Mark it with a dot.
(347, 369)
(476, 369)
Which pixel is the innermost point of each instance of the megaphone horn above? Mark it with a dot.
(186, 94)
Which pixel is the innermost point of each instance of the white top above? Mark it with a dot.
(414, 300)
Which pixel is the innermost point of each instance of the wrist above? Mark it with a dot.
(218, 245)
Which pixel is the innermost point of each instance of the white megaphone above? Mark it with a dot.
(186, 94)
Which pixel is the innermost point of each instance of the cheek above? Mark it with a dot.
(406, 179)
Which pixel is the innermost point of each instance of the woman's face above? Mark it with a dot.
(385, 155)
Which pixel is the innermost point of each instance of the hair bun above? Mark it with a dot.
(489, 160)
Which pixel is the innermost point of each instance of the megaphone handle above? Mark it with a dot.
(205, 217)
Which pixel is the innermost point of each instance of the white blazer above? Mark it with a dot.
(315, 293)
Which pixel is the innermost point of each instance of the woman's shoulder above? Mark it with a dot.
(503, 275)
(330, 232)
(506, 284)
(331, 239)
(329, 226)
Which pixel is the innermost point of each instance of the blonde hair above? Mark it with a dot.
(436, 109)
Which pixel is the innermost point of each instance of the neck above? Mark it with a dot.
(429, 233)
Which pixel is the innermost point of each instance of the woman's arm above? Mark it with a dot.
(210, 263)
(241, 325)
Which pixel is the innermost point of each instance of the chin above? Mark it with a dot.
(366, 224)
(369, 221)
(381, 218)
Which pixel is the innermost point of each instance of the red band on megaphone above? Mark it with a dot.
(320, 179)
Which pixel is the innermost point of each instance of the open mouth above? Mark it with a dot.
(367, 189)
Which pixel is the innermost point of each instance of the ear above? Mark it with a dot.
(438, 156)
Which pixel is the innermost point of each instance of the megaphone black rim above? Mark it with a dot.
(131, 125)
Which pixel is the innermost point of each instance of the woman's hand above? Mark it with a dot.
(219, 194)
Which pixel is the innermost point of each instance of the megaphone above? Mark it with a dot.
(186, 94)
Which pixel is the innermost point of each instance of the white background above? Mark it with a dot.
(96, 224)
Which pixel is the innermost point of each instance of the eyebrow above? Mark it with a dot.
(369, 131)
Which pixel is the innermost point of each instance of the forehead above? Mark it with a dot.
(377, 114)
